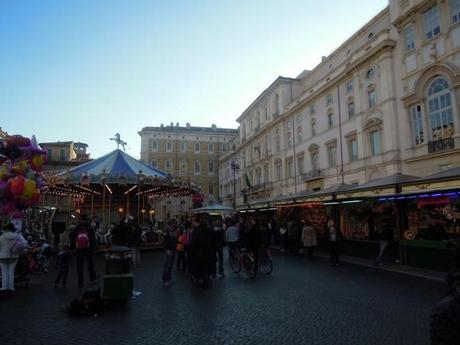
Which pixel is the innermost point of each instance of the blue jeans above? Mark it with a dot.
(168, 265)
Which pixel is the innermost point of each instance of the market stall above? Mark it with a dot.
(432, 208)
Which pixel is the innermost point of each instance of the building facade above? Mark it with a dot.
(190, 153)
(62, 155)
(384, 102)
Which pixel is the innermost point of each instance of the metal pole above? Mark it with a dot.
(127, 204)
(138, 204)
(293, 155)
(92, 205)
(103, 202)
(110, 204)
(234, 188)
(340, 135)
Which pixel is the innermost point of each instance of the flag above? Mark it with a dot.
(248, 181)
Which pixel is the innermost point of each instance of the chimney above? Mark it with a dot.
(323, 58)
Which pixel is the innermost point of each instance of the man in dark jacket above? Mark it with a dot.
(253, 239)
(219, 242)
(445, 318)
(121, 234)
(204, 252)
(170, 242)
(386, 237)
(83, 243)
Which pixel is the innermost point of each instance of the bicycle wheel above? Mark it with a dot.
(235, 263)
(249, 267)
(267, 266)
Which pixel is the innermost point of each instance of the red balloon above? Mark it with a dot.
(17, 185)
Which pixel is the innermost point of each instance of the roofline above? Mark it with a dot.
(356, 34)
(209, 130)
(264, 93)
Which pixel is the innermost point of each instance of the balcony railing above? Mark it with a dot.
(312, 175)
(441, 145)
(259, 187)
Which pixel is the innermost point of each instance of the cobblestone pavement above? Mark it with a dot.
(301, 303)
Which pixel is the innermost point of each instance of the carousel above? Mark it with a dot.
(115, 183)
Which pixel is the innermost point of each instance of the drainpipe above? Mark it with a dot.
(340, 135)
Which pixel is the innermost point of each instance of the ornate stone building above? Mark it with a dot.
(384, 102)
(190, 153)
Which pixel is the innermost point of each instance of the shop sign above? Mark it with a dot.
(433, 201)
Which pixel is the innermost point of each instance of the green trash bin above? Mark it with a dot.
(118, 278)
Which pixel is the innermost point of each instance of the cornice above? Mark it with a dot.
(261, 98)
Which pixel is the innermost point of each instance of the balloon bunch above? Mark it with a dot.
(21, 180)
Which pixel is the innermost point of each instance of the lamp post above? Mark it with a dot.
(140, 182)
(235, 167)
(103, 176)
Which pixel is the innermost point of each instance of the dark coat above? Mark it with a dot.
(135, 238)
(387, 233)
(170, 241)
(253, 238)
(445, 320)
(121, 234)
(91, 235)
(203, 245)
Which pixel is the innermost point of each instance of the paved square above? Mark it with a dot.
(301, 303)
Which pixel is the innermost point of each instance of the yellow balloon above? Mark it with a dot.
(29, 188)
(38, 161)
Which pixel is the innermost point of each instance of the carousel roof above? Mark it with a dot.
(114, 165)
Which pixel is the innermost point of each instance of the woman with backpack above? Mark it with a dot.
(83, 242)
(11, 245)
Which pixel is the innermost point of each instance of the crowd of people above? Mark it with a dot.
(198, 244)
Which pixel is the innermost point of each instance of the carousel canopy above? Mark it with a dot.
(111, 167)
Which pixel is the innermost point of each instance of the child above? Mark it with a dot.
(62, 264)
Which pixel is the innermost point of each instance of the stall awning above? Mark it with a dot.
(213, 209)
(444, 180)
(384, 186)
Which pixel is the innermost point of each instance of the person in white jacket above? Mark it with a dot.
(9, 240)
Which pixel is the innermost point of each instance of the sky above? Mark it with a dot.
(83, 70)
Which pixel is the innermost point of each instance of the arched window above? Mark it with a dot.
(440, 111)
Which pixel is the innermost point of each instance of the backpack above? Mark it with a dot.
(82, 241)
(17, 247)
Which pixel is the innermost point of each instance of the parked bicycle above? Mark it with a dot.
(265, 260)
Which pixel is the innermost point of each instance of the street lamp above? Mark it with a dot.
(235, 167)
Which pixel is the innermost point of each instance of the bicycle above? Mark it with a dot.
(235, 259)
(248, 262)
(265, 260)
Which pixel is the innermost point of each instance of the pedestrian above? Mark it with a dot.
(219, 238)
(386, 237)
(293, 236)
(62, 265)
(309, 240)
(121, 233)
(170, 242)
(188, 232)
(254, 239)
(333, 236)
(283, 238)
(135, 240)
(12, 244)
(83, 243)
(204, 253)
(445, 317)
(180, 249)
(232, 236)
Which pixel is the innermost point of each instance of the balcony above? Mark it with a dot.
(441, 145)
(259, 187)
(312, 175)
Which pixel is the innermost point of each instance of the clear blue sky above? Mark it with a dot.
(83, 70)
